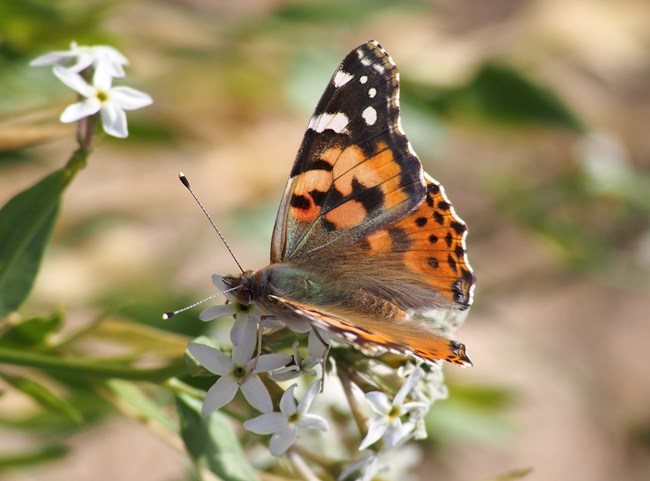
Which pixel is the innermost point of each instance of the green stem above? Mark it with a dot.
(86, 368)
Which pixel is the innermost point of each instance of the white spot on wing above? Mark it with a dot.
(336, 122)
(378, 67)
(372, 92)
(363, 79)
(369, 115)
(341, 78)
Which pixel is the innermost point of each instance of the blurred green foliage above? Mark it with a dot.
(72, 387)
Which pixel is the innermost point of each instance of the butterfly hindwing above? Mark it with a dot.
(355, 171)
(425, 250)
(414, 337)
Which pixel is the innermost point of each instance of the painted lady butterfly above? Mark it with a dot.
(366, 245)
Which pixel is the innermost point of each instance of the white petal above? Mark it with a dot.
(378, 402)
(411, 406)
(243, 352)
(112, 57)
(211, 359)
(111, 52)
(102, 78)
(367, 466)
(271, 362)
(221, 393)
(257, 395)
(305, 402)
(53, 58)
(398, 434)
(266, 423)
(218, 282)
(315, 346)
(288, 403)
(409, 384)
(83, 62)
(216, 312)
(82, 109)
(130, 99)
(313, 421)
(376, 430)
(74, 81)
(281, 441)
(244, 330)
(114, 120)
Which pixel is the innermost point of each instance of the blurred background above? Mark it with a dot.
(533, 114)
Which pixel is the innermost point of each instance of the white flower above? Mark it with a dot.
(285, 424)
(110, 102)
(366, 466)
(392, 464)
(247, 316)
(237, 373)
(387, 423)
(82, 57)
(315, 352)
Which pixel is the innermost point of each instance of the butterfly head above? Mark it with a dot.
(241, 286)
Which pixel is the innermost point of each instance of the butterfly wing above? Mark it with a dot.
(363, 222)
(415, 337)
(420, 259)
(355, 171)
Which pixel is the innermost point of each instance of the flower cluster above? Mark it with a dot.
(391, 396)
(101, 64)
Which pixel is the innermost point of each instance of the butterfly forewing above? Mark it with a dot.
(355, 171)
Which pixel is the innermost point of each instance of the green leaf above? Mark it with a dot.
(31, 332)
(500, 93)
(26, 223)
(211, 441)
(44, 396)
(30, 458)
(144, 406)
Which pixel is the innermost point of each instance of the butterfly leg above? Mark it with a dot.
(326, 353)
(260, 332)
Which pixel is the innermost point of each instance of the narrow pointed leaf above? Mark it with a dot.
(26, 223)
(211, 441)
(31, 333)
(44, 396)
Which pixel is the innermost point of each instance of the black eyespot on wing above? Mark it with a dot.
(433, 262)
(300, 202)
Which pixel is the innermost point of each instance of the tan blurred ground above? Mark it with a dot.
(573, 346)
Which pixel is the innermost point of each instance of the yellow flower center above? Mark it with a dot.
(239, 372)
(395, 412)
(101, 96)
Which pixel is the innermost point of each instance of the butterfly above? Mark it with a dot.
(366, 245)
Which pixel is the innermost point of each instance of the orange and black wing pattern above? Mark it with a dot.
(355, 171)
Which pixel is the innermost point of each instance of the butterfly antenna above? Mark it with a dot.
(169, 315)
(186, 183)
